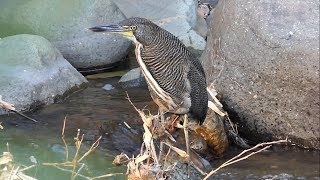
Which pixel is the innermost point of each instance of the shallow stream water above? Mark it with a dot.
(99, 112)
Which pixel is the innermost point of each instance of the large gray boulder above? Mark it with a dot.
(65, 25)
(178, 17)
(263, 57)
(33, 72)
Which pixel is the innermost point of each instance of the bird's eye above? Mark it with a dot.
(133, 28)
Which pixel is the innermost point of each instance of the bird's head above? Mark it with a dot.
(140, 29)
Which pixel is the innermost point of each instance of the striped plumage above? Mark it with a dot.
(174, 68)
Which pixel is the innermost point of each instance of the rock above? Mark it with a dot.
(194, 40)
(59, 150)
(210, 3)
(203, 10)
(181, 172)
(134, 78)
(178, 17)
(107, 87)
(214, 133)
(263, 58)
(96, 50)
(33, 72)
(178, 170)
(66, 25)
(201, 27)
(104, 75)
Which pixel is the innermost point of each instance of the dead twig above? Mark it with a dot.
(78, 146)
(67, 170)
(147, 136)
(78, 172)
(27, 168)
(10, 107)
(142, 164)
(107, 175)
(198, 169)
(232, 130)
(64, 141)
(92, 148)
(125, 123)
(239, 158)
(180, 152)
(23, 115)
(165, 160)
(121, 159)
(76, 160)
(10, 171)
(85, 177)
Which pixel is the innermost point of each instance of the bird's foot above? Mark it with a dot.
(173, 123)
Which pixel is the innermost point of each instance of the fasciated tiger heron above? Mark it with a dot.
(175, 77)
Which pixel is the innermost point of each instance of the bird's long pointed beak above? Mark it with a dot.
(109, 28)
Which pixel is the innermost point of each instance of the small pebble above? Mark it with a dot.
(108, 87)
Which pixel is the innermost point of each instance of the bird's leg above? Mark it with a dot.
(186, 136)
(161, 113)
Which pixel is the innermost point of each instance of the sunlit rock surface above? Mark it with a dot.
(65, 24)
(263, 57)
(33, 72)
(133, 78)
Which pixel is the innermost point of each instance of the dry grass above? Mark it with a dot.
(11, 171)
(242, 156)
(75, 165)
(147, 165)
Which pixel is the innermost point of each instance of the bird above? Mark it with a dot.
(175, 77)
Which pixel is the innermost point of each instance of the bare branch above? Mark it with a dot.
(10, 107)
(27, 168)
(92, 148)
(78, 146)
(64, 141)
(78, 172)
(70, 171)
(239, 158)
(107, 175)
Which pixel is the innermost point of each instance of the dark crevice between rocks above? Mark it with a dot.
(122, 64)
(256, 137)
(126, 63)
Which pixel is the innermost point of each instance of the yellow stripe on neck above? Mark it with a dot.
(126, 33)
